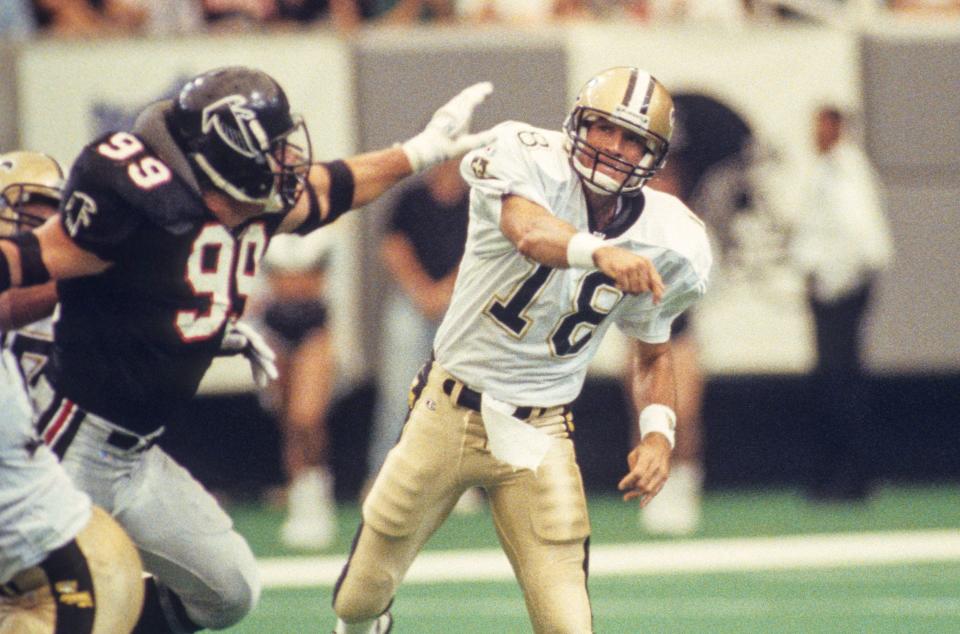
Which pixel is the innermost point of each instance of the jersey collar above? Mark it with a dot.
(630, 210)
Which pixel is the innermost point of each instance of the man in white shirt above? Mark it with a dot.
(563, 242)
(842, 243)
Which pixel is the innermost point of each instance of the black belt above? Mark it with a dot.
(471, 400)
(123, 440)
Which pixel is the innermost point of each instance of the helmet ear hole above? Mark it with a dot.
(231, 122)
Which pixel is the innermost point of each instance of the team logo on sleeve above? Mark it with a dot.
(78, 212)
(479, 167)
(235, 124)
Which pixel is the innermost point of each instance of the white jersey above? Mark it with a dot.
(31, 347)
(525, 333)
(40, 510)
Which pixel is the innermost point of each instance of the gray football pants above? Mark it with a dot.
(185, 539)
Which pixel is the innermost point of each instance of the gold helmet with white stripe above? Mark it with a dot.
(27, 178)
(634, 100)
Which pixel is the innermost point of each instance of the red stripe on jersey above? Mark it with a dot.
(63, 416)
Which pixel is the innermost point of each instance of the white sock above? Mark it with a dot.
(370, 626)
(361, 627)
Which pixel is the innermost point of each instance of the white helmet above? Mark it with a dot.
(632, 99)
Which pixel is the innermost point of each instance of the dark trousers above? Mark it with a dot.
(841, 451)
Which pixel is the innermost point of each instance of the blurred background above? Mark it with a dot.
(749, 78)
(368, 74)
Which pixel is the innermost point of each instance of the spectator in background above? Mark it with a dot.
(237, 15)
(344, 15)
(17, 20)
(720, 12)
(926, 8)
(162, 17)
(726, 12)
(521, 11)
(489, 11)
(296, 321)
(75, 18)
(413, 11)
(842, 243)
(423, 269)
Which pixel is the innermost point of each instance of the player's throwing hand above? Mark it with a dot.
(649, 464)
(632, 273)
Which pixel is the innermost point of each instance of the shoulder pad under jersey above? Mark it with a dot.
(119, 175)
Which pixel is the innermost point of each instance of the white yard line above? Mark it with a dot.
(656, 558)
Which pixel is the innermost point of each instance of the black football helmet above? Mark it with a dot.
(27, 178)
(235, 125)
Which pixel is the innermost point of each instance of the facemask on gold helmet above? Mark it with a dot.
(27, 178)
(634, 100)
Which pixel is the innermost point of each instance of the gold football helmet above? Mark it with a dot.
(632, 99)
(117, 579)
(26, 178)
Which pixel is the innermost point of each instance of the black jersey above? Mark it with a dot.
(133, 342)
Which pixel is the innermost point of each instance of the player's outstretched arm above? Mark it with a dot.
(22, 306)
(655, 395)
(358, 180)
(446, 136)
(36, 257)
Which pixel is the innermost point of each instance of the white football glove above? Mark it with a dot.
(241, 338)
(445, 137)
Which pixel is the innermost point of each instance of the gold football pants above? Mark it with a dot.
(541, 519)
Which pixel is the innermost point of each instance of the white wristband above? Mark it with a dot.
(659, 418)
(580, 250)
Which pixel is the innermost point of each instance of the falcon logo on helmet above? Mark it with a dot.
(634, 100)
(237, 126)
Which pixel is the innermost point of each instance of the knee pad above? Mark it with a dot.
(237, 593)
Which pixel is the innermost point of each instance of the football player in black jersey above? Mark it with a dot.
(155, 248)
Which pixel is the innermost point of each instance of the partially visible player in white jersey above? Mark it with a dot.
(31, 185)
(65, 565)
(564, 241)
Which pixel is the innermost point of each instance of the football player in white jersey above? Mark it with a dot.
(564, 241)
(31, 184)
(65, 566)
